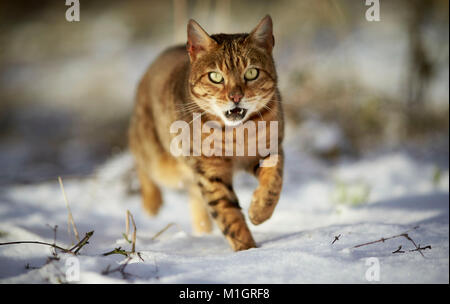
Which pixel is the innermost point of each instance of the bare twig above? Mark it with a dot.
(399, 250)
(39, 243)
(419, 249)
(405, 235)
(83, 242)
(118, 250)
(385, 239)
(126, 237)
(77, 247)
(140, 257)
(70, 216)
(127, 225)
(336, 238)
(55, 229)
(162, 231)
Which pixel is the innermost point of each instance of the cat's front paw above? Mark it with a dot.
(262, 205)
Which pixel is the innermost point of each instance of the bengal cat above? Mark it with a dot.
(227, 78)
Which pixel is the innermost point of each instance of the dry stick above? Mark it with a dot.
(78, 246)
(336, 238)
(385, 239)
(162, 231)
(118, 250)
(70, 217)
(39, 243)
(127, 225)
(83, 242)
(55, 228)
(404, 234)
(399, 250)
(420, 248)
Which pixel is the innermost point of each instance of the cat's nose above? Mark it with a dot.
(236, 96)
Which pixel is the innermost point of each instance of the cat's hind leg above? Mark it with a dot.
(151, 194)
(201, 222)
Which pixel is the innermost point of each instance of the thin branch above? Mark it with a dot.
(419, 249)
(162, 231)
(405, 235)
(54, 228)
(414, 243)
(399, 250)
(78, 246)
(140, 257)
(39, 243)
(83, 242)
(118, 250)
(385, 239)
(127, 226)
(336, 238)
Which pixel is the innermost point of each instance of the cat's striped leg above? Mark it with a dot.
(266, 196)
(223, 206)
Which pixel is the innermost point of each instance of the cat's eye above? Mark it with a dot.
(251, 74)
(215, 77)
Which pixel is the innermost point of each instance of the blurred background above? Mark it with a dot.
(350, 87)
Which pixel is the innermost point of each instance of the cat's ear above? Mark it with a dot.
(198, 40)
(262, 34)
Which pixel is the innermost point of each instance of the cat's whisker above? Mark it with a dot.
(187, 111)
(260, 115)
(269, 109)
(189, 106)
(196, 117)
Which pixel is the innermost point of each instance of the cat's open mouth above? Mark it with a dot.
(236, 114)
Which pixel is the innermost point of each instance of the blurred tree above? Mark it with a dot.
(421, 65)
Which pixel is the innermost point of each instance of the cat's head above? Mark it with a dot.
(232, 76)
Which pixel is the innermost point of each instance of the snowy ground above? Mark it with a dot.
(361, 201)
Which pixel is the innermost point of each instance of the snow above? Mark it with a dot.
(362, 201)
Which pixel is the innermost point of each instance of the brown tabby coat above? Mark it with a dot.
(175, 86)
